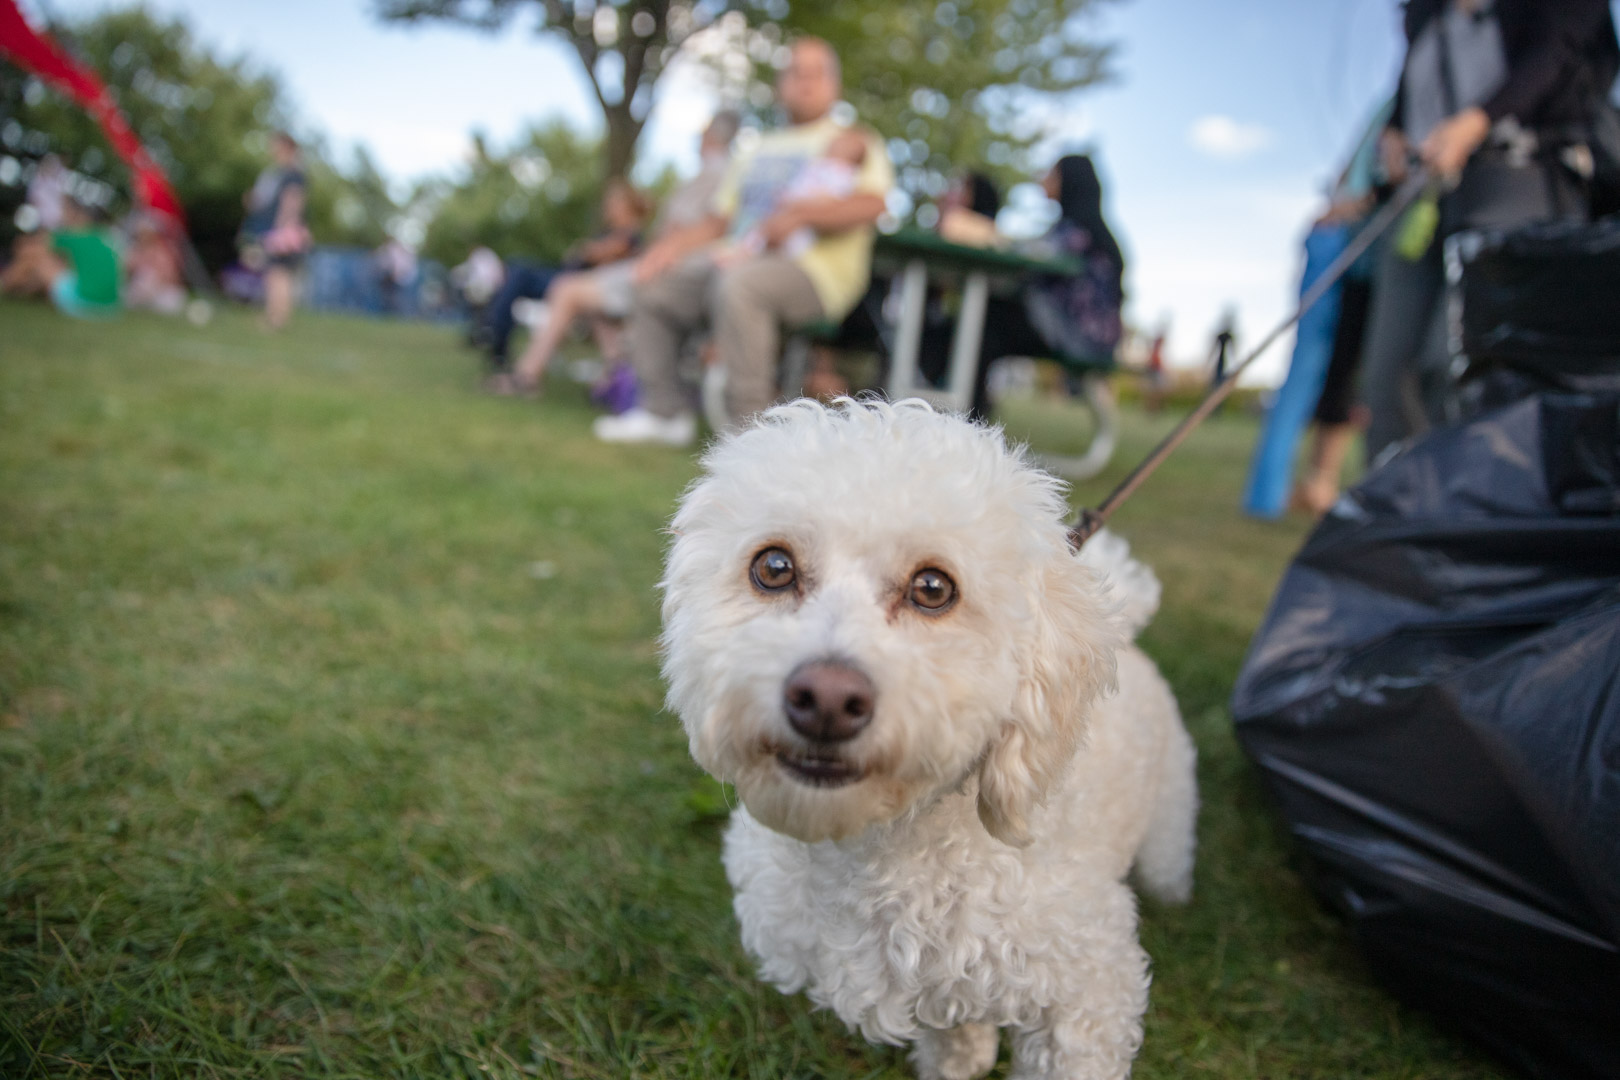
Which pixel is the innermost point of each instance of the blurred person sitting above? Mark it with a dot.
(1061, 315)
(153, 280)
(396, 274)
(274, 239)
(48, 192)
(1489, 91)
(624, 216)
(683, 293)
(477, 279)
(968, 209)
(76, 267)
(831, 176)
(604, 293)
(967, 216)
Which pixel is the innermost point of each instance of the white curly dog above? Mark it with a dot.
(875, 629)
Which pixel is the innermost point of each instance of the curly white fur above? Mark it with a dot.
(972, 877)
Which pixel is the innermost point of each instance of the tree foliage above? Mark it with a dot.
(951, 83)
(959, 83)
(532, 201)
(204, 119)
(623, 47)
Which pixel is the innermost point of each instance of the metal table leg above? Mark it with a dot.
(965, 343)
(908, 336)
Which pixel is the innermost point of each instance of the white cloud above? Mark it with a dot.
(1190, 255)
(1223, 137)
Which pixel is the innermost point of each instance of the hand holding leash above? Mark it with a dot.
(1091, 520)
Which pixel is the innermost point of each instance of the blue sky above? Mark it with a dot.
(1225, 122)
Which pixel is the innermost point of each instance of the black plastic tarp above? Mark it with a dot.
(1543, 301)
(1434, 700)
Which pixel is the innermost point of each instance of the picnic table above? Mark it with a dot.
(913, 254)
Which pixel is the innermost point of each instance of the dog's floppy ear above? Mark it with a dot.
(1067, 662)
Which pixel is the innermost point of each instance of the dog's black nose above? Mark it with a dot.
(826, 701)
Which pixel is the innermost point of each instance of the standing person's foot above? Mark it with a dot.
(637, 425)
(1315, 495)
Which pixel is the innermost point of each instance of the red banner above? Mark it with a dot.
(37, 53)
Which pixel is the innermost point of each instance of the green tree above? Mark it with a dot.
(949, 82)
(533, 200)
(959, 83)
(351, 207)
(202, 117)
(622, 48)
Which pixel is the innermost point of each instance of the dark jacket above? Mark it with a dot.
(1560, 55)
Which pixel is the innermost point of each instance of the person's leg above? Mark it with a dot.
(522, 282)
(823, 380)
(1007, 332)
(752, 302)
(278, 295)
(1405, 297)
(665, 312)
(571, 297)
(34, 266)
(1318, 489)
(609, 337)
(1334, 430)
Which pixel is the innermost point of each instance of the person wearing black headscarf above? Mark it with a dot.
(1071, 317)
(981, 195)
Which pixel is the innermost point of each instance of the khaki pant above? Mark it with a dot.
(746, 305)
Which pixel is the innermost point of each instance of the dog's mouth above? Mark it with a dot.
(816, 770)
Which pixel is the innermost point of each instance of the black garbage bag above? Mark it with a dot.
(1540, 302)
(1434, 700)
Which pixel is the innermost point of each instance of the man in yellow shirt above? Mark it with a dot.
(682, 291)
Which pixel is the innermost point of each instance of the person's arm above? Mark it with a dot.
(825, 214)
(290, 210)
(606, 249)
(677, 244)
(1560, 33)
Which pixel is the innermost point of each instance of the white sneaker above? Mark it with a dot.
(640, 426)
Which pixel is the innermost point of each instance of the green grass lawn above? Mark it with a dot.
(331, 742)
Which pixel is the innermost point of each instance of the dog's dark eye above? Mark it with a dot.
(932, 590)
(773, 570)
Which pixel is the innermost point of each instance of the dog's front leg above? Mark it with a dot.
(964, 1052)
(1094, 1031)
(1077, 1048)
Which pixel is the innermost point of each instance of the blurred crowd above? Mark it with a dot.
(1500, 103)
(88, 268)
(1505, 106)
(773, 240)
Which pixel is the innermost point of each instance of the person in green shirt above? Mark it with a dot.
(77, 267)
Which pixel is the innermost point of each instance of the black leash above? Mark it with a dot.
(1093, 519)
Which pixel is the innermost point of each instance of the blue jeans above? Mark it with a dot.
(523, 281)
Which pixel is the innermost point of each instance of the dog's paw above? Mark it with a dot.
(965, 1052)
